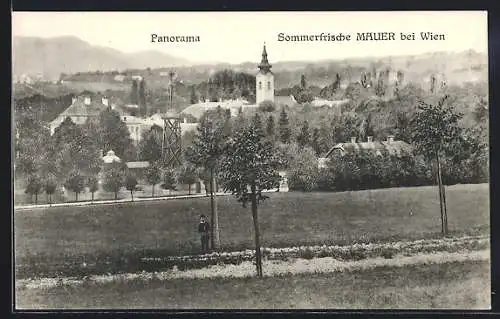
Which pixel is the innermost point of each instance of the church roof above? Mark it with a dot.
(264, 65)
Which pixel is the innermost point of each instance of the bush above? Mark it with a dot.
(306, 254)
(303, 170)
(267, 106)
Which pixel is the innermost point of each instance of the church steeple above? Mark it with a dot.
(264, 65)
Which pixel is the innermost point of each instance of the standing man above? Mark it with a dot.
(204, 230)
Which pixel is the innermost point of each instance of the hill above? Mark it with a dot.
(49, 57)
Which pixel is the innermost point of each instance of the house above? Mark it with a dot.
(157, 119)
(136, 78)
(137, 168)
(81, 109)
(110, 158)
(119, 78)
(198, 109)
(319, 102)
(389, 146)
(135, 126)
(287, 100)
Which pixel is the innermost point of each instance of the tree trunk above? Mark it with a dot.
(153, 192)
(189, 189)
(76, 196)
(216, 218)
(443, 198)
(116, 195)
(438, 177)
(36, 198)
(212, 208)
(132, 195)
(92, 196)
(258, 258)
(215, 239)
(50, 198)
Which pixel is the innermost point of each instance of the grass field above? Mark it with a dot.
(458, 285)
(119, 232)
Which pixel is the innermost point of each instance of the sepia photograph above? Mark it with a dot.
(250, 160)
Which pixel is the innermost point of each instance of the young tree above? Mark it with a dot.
(150, 145)
(193, 99)
(432, 83)
(250, 167)
(206, 151)
(134, 93)
(435, 130)
(34, 186)
(142, 98)
(270, 127)
(257, 125)
(304, 138)
(153, 176)
(303, 83)
(75, 182)
(187, 175)
(50, 186)
(93, 185)
(131, 184)
(168, 180)
(284, 127)
(113, 180)
(315, 141)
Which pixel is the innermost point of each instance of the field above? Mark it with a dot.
(47, 239)
(458, 285)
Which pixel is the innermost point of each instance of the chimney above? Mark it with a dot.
(87, 100)
(105, 101)
(370, 139)
(390, 138)
(73, 100)
(353, 139)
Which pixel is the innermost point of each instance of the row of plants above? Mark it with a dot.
(133, 263)
(280, 268)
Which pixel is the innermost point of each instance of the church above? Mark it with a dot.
(264, 80)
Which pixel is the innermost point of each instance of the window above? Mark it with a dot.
(260, 85)
(269, 85)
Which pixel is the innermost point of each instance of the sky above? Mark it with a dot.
(236, 37)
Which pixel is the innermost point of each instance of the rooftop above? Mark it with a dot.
(398, 148)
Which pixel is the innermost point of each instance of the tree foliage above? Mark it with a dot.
(75, 183)
(113, 134)
(34, 186)
(153, 176)
(284, 127)
(250, 166)
(130, 183)
(188, 175)
(113, 179)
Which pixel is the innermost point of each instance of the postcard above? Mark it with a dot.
(251, 160)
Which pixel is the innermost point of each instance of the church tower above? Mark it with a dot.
(264, 80)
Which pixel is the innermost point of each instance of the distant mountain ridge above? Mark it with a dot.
(49, 57)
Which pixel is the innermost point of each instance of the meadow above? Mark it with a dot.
(47, 240)
(455, 285)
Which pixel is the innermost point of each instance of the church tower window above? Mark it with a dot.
(260, 85)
